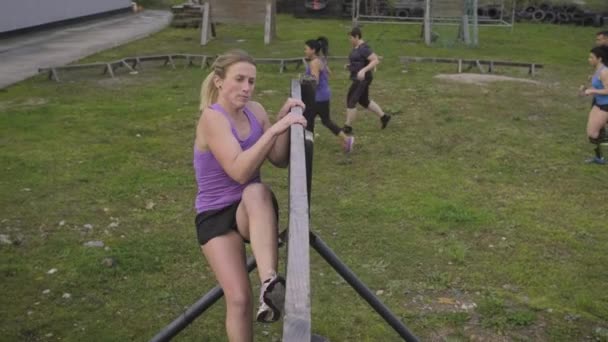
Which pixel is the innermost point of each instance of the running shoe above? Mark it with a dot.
(348, 144)
(384, 119)
(272, 299)
(596, 160)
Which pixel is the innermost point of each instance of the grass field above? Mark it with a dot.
(472, 215)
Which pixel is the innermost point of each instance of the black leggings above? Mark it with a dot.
(322, 109)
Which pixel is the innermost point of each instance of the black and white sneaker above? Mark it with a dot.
(384, 119)
(272, 299)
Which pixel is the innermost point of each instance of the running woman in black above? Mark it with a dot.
(362, 60)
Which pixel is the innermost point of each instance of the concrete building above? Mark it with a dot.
(24, 14)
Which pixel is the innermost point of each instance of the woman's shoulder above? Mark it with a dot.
(212, 116)
(209, 111)
(257, 109)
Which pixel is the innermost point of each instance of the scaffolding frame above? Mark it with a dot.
(359, 17)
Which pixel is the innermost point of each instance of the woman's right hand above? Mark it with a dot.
(290, 119)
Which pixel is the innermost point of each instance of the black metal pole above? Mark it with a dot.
(348, 275)
(195, 310)
(308, 149)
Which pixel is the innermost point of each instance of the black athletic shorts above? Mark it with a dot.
(603, 108)
(358, 93)
(217, 222)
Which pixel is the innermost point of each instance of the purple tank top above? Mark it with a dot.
(322, 92)
(216, 189)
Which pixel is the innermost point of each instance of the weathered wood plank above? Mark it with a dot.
(110, 70)
(268, 23)
(54, 74)
(126, 65)
(296, 322)
(472, 62)
(478, 64)
(206, 24)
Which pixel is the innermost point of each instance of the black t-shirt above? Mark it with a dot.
(358, 59)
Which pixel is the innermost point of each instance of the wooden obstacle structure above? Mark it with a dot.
(471, 63)
(239, 12)
(297, 325)
(190, 60)
(130, 63)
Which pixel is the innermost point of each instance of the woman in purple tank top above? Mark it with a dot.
(233, 138)
(316, 51)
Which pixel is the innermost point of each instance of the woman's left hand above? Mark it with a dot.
(589, 91)
(361, 75)
(290, 103)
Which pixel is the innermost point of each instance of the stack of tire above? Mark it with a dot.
(492, 12)
(407, 8)
(546, 12)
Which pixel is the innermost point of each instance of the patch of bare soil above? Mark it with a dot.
(29, 102)
(482, 79)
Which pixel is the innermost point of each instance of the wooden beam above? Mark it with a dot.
(54, 74)
(170, 61)
(476, 23)
(206, 24)
(478, 63)
(427, 23)
(472, 63)
(466, 34)
(109, 69)
(296, 322)
(269, 23)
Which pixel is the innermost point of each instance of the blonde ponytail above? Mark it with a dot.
(208, 92)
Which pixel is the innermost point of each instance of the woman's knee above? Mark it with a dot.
(256, 192)
(238, 299)
(592, 134)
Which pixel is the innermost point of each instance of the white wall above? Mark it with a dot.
(18, 14)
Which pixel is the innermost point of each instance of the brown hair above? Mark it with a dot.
(219, 68)
(356, 33)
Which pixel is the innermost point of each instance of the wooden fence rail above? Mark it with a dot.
(471, 63)
(296, 322)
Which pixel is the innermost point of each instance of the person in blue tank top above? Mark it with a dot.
(234, 137)
(316, 51)
(598, 116)
(601, 39)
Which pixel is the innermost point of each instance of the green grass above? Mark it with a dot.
(473, 193)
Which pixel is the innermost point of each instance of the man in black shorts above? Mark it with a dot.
(362, 60)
